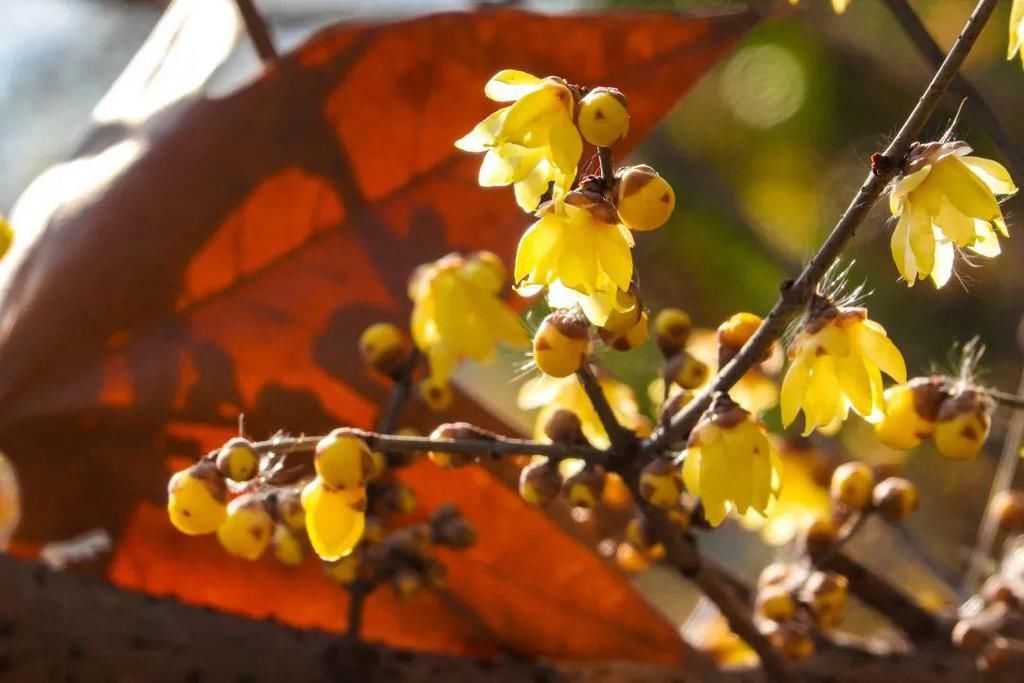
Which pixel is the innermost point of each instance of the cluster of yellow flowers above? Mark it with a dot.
(955, 415)
(945, 200)
(579, 249)
(330, 509)
(458, 313)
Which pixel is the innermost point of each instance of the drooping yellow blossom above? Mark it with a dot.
(945, 200)
(600, 308)
(530, 143)
(836, 363)
(803, 498)
(550, 395)
(458, 314)
(838, 5)
(579, 244)
(730, 463)
(1016, 31)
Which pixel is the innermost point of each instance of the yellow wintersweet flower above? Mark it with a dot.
(836, 363)
(838, 5)
(530, 143)
(578, 244)
(458, 314)
(730, 462)
(945, 199)
(550, 395)
(1016, 30)
(598, 307)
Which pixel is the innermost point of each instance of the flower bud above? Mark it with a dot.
(1007, 508)
(910, 413)
(672, 327)
(344, 570)
(247, 529)
(630, 560)
(969, 635)
(820, 536)
(852, 485)
(238, 460)
(436, 394)
(734, 333)
(626, 315)
(540, 482)
(825, 594)
(963, 425)
(561, 345)
(602, 117)
(628, 340)
(197, 499)
(896, 499)
(686, 371)
(644, 199)
(454, 431)
(343, 460)
(406, 584)
(564, 426)
(661, 484)
(585, 488)
(288, 509)
(792, 641)
(384, 348)
(288, 546)
(775, 603)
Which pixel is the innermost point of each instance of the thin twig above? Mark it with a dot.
(961, 87)
(399, 394)
(357, 593)
(604, 157)
(1000, 482)
(259, 32)
(497, 445)
(794, 294)
(620, 437)
(1015, 401)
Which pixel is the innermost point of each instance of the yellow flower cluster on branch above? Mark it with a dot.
(836, 363)
(945, 200)
(530, 144)
(458, 312)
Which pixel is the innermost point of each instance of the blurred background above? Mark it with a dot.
(764, 154)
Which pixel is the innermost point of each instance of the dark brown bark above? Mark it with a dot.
(56, 626)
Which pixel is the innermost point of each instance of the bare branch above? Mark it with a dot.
(620, 437)
(795, 293)
(961, 87)
(258, 31)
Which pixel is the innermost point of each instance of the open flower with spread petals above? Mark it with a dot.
(1016, 30)
(578, 244)
(944, 200)
(836, 363)
(457, 313)
(531, 143)
(551, 395)
(730, 463)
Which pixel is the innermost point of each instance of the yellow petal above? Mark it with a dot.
(533, 113)
(964, 189)
(536, 248)
(992, 174)
(616, 260)
(880, 350)
(902, 254)
(1016, 30)
(691, 470)
(532, 187)
(853, 377)
(715, 474)
(955, 225)
(484, 135)
(908, 184)
(794, 387)
(334, 528)
(566, 145)
(922, 241)
(986, 244)
(823, 403)
(942, 270)
(509, 85)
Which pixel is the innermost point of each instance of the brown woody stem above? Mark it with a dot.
(258, 31)
(620, 437)
(497, 445)
(794, 294)
(961, 87)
